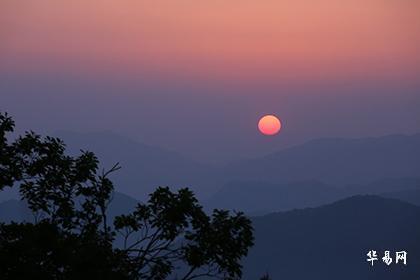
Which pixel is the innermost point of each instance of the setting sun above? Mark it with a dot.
(269, 125)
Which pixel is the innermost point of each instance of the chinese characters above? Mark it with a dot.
(400, 257)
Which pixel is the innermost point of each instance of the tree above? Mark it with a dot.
(265, 277)
(71, 238)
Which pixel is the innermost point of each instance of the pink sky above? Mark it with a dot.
(229, 40)
(196, 75)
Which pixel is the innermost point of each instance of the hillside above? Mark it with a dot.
(255, 197)
(331, 242)
(331, 161)
(259, 197)
(335, 161)
(17, 210)
(145, 167)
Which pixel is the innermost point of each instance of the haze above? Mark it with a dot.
(195, 77)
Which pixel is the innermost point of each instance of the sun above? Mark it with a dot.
(269, 125)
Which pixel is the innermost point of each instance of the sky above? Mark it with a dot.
(195, 76)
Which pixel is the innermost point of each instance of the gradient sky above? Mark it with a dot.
(195, 76)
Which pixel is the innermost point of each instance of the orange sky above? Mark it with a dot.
(237, 39)
(204, 71)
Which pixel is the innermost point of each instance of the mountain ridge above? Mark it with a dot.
(323, 242)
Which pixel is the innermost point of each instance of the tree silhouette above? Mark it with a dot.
(265, 277)
(71, 238)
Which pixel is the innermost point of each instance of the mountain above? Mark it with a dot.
(17, 210)
(332, 161)
(144, 167)
(14, 210)
(386, 185)
(335, 161)
(412, 196)
(331, 242)
(257, 197)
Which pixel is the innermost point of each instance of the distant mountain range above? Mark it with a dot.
(331, 242)
(332, 161)
(144, 167)
(327, 242)
(256, 198)
(336, 161)
(17, 210)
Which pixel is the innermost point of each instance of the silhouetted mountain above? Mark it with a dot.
(335, 161)
(121, 204)
(331, 242)
(411, 196)
(17, 210)
(14, 210)
(144, 167)
(385, 185)
(256, 198)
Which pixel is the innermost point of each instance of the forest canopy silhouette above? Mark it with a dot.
(71, 236)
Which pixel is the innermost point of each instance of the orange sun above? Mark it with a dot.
(269, 125)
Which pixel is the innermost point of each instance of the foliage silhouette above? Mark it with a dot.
(265, 277)
(71, 238)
